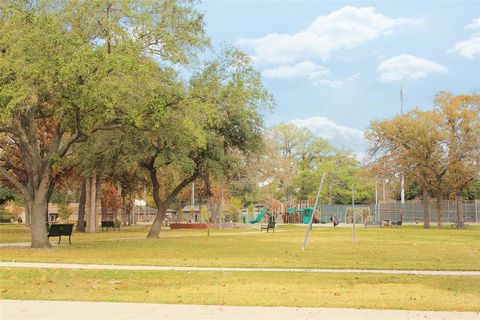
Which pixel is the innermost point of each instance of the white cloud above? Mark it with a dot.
(474, 25)
(306, 69)
(469, 48)
(408, 67)
(340, 136)
(345, 28)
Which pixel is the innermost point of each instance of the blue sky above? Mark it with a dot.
(335, 66)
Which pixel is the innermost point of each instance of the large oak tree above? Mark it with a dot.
(71, 68)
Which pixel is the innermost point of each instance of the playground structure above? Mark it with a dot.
(300, 213)
(259, 217)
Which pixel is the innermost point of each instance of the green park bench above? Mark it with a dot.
(59, 230)
(270, 225)
(110, 224)
(396, 224)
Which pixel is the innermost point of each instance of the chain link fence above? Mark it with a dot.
(412, 211)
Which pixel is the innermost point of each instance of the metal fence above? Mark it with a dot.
(412, 211)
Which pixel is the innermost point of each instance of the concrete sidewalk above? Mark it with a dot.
(52, 310)
(226, 269)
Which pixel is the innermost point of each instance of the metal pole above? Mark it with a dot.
(476, 212)
(314, 209)
(376, 200)
(402, 181)
(384, 192)
(379, 212)
(353, 215)
(412, 204)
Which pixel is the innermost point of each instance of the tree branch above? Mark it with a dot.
(180, 186)
(107, 127)
(14, 181)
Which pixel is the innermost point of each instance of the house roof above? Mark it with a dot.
(190, 208)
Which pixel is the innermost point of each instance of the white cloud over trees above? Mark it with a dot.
(408, 67)
(345, 28)
(340, 136)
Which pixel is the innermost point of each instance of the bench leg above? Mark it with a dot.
(59, 239)
(69, 239)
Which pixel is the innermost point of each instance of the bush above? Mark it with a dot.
(64, 212)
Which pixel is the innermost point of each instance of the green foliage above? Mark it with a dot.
(412, 190)
(71, 69)
(473, 193)
(58, 198)
(433, 149)
(204, 213)
(233, 207)
(64, 212)
(206, 129)
(297, 159)
(7, 195)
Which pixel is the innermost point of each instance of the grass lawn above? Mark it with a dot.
(253, 289)
(404, 248)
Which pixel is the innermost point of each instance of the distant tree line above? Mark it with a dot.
(437, 151)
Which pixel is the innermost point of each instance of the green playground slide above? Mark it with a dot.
(260, 216)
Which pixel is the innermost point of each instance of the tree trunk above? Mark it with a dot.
(330, 196)
(38, 224)
(103, 204)
(438, 209)
(426, 208)
(129, 210)
(28, 211)
(162, 205)
(116, 210)
(460, 213)
(157, 223)
(81, 207)
(91, 203)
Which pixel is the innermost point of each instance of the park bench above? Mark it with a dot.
(270, 225)
(396, 224)
(59, 230)
(110, 224)
(373, 224)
